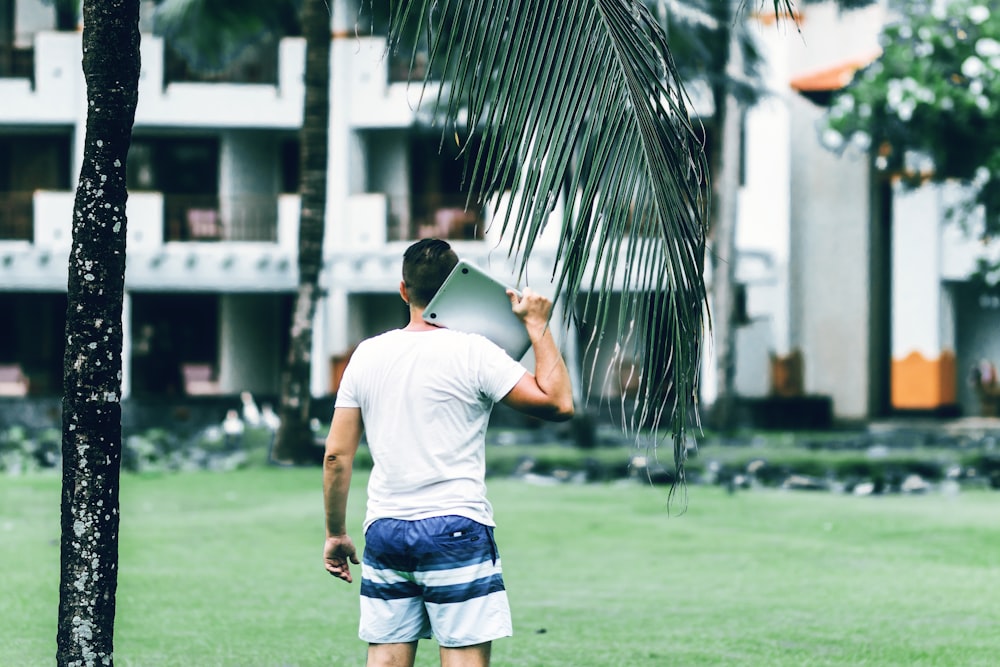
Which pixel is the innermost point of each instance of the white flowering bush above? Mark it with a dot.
(934, 93)
(23, 451)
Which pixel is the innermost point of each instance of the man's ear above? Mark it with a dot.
(403, 294)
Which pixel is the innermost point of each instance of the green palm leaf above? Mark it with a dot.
(584, 98)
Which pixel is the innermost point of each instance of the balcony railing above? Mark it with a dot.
(435, 215)
(16, 62)
(214, 218)
(16, 216)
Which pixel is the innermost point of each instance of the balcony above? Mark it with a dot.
(380, 95)
(441, 216)
(264, 91)
(155, 218)
(206, 218)
(41, 84)
(235, 255)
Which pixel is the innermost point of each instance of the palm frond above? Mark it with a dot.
(584, 98)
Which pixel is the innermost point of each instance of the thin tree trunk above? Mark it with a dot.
(91, 440)
(726, 185)
(294, 441)
(724, 270)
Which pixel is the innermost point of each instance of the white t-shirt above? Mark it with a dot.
(425, 399)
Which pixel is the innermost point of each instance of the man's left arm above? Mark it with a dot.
(548, 392)
(341, 446)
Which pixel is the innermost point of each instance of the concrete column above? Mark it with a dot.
(345, 163)
(923, 358)
(566, 337)
(249, 331)
(385, 157)
(830, 283)
(248, 183)
(331, 332)
(126, 345)
(765, 198)
(335, 326)
(319, 374)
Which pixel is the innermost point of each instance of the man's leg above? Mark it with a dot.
(467, 656)
(463, 590)
(392, 655)
(393, 617)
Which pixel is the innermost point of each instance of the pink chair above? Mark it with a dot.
(13, 381)
(204, 223)
(199, 379)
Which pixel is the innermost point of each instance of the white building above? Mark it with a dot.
(879, 303)
(213, 209)
(213, 217)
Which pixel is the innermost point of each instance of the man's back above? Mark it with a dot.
(425, 399)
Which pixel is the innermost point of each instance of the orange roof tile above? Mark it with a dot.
(832, 78)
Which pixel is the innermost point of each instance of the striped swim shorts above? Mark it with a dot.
(435, 577)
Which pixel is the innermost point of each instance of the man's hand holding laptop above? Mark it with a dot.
(532, 309)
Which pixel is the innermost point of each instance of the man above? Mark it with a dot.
(423, 395)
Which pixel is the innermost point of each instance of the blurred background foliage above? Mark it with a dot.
(929, 106)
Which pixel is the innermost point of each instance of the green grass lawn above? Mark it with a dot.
(225, 569)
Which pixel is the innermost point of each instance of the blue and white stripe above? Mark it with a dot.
(435, 586)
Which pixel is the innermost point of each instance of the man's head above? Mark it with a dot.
(426, 264)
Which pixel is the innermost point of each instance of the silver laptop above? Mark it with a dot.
(473, 301)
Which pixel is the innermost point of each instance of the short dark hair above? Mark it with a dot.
(426, 264)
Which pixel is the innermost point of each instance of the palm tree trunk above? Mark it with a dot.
(91, 438)
(724, 268)
(726, 159)
(294, 441)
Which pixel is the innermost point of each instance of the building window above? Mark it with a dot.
(442, 206)
(186, 171)
(175, 340)
(290, 168)
(29, 163)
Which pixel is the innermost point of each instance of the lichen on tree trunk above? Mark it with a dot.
(91, 440)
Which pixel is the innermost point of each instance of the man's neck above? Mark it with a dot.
(417, 322)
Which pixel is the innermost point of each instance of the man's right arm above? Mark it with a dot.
(341, 446)
(548, 393)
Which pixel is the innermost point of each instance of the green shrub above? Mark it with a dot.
(21, 451)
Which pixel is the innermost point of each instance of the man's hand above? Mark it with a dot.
(531, 308)
(338, 554)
